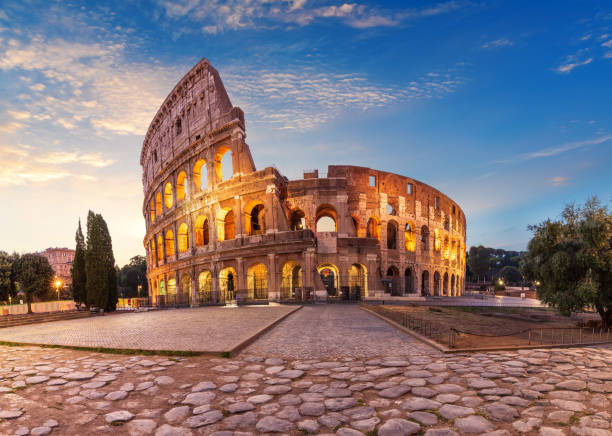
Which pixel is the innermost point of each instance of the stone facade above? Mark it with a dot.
(218, 228)
(61, 262)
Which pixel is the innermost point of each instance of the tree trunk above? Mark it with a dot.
(606, 316)
(29, 303)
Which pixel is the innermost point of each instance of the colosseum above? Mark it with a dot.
(219, 230)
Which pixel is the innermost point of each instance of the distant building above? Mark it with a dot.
(61, 262)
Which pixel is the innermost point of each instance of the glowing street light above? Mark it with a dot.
(58, 283)
(537, 283)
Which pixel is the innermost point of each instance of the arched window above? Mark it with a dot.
(152, 210)
(297, 220)
(158, 204)
(160, 248)
(169, 243)
(255, 222)
(445, 285)
(183, 238)
(446, 251)
(358, 281)
(168, 200)
(201, 231)
(291, 280)
(186, 288)
(437, 283)
(437, 242)
(425, 283)
(181, 187)
(373, 228)
(200, 175)
(393, 281)
(224, 166)
(257, 281)
(409, 237)
(179, 126)
(326, 219)
(205, 285)
(227, 283)
(392, 235)
(330, 278)
(408, 281)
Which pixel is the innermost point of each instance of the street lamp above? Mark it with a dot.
(58, 283)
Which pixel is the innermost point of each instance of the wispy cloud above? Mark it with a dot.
(502, 42)
(216, 16)
(571, 62)
(558, 181)
(304, 97)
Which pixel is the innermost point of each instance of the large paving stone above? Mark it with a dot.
(398, 427)
(473, 424)
(271, 424)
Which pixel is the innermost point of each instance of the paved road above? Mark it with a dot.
(335, 330)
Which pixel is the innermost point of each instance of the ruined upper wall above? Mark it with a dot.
(197, 106)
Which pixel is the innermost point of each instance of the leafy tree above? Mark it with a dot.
(7, 280)
(133, 275)
(78, 273)
(478, 261)
(35, 276)
(571, 258)
(510, 274)
(100, 270)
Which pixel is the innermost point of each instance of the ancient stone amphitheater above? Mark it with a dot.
(220, 230)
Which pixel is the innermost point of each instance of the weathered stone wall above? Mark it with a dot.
(255, 233)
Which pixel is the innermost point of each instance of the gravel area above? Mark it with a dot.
(210, 329)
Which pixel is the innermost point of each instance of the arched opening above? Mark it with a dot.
(425, 238)
(224, 164)
(436, 283)
(436, 240)
(227, 283)
(158, 204)
(445, 285)
(297, 220)
(168, 200)
(452, 286)
(409, 237)
(373, 228)
(255, 219)
(181, 186)
(408, 281)
(257, 282)
(391, 235)
(392, 281)
(446, 252)
(358, 282)
(291, 282)
(162, 288)
(172, 297)
(169, 243)
(226, 228)
(330, 277)
(425, 283)
(327, 219)
(183, 238)
(205, 286)
(186, 289)
(201, 230)
(453, 249)
(152, 210)
(200, 175)
(160, 248)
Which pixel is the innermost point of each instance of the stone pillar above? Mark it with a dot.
(175, 236)
(272, 224)
(242, 291)
(163, 235)
(273, 288)
(345, 223)
(239, 217)
(191, 233)
(309, 266)
(214, 271)
(179, 290)
(195, 287)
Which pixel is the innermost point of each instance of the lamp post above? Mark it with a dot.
(58, 283)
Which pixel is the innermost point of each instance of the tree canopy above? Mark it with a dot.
(571, 259)
(35, 276)
(101, 276)
(133, 275)
(7, 279)
(77, 271)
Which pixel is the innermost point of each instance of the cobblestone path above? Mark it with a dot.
(539, 392)
(335, 330)
(200, 329)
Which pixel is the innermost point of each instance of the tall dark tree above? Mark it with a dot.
(478, 261)
(510, 274)
(78, 273)
(35, 276)
(571, 259)
(7, 280)
(100, 265)
(132, 276)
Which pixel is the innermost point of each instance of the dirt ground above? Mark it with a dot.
(494, 327)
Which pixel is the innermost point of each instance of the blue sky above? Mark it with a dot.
(502, 105)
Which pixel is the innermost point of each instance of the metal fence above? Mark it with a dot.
(427, 328)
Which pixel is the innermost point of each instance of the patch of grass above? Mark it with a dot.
(226, 412)
(574, 419)
(336, 428)
(226, 354)
(361, 402)
(372, 432)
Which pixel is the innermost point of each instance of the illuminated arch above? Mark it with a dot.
(200, 175)
(392, 235)
(330, 276)
(409, 237)
(205, 285)
(227, 283)
(169, 243)
(181, 186)
(152, 210)
(172, 286)
(373, 228)
(168, 200)
(183, 238)
(255, 218)
(186, 287)
(446, 251)
(358, 280)
(393, 280)
(437, 240)
(291, 278)
(160, 248)
(158, 204)
(201, 231)
(425, 238)
(257, 281)
(226, 228)
(437, 283)
(297, 220)
(326, 219)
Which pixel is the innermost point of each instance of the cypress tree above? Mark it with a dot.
(109, 263)
(79, 278)
(100, 265)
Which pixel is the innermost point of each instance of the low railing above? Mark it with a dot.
(427, 328)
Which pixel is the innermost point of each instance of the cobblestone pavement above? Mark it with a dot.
(202, 329)
(335, 330)
(540, 392)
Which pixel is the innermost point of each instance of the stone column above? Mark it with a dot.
(345, 224)
(308, 268)
(195, 287)
(214, 271)
(163, 235)
(241, 283)
(175, 236)
(239, 217)
(191, 233)
(273, 288)
(179, 291)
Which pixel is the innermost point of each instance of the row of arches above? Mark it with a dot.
(447, 285)
(171, 195)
